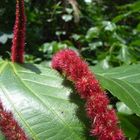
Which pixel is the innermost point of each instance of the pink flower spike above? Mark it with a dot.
(104, 120)
(68, 61)
(9, 127)
(19, 33)
(87, 86)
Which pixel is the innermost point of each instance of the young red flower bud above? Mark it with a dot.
(104, 120)
(19, 33)
(9, 127)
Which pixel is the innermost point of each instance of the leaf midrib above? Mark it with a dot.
(52, 110)
(18, 113)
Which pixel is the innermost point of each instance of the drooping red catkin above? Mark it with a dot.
(103, 119)
(19, 33)
(9, 127)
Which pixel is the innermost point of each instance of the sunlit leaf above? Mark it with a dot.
(42, 102)
(124, 83)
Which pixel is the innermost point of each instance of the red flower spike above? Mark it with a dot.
(9, 127)
(68, 62)
(96, 105)
(87, 86)
(104, 120)
(106, 127)
(19, 33)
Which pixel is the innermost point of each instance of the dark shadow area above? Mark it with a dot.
(31, 67)
(80, 112)
(138, 136)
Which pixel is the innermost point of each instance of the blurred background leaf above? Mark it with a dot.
(102, 31)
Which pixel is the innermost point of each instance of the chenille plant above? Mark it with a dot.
(19, 33)
(104, 120)
(37, 102)
(8, 125)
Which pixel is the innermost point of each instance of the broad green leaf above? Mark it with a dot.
(130, 123)
(45, 106)
(42, 102)
(2, 137)
(124, 83)
(128, 127)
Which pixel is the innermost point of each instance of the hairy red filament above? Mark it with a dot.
(104, 120)
(9, 127)
(19, 33)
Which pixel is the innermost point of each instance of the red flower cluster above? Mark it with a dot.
(104, 120)
(19, 33)
(9, 126)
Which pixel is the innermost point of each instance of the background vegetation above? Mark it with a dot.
(104, 31)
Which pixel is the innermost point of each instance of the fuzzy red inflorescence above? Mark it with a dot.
(9, 127)
(104, 119)
(19, 33)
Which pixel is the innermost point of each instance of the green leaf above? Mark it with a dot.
(5, 37)
(2, 137)
(42, 102)
(92, 33)
(122, 108)
(67, 17)
(109, 26)
(121, 17)
(128, 127)
(124, 54)
(95, 45)
(124, 83)
(46, 107)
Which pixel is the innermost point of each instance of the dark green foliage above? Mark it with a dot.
(108, 31)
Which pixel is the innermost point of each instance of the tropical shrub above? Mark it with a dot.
(38, 103)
